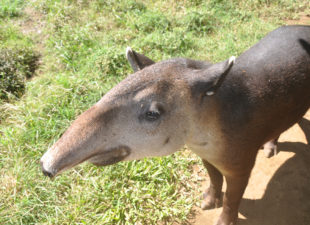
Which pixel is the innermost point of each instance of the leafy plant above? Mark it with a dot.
(16, 65)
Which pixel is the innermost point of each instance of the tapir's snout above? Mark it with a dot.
(78, 144)
(46, 167)
(46, 172)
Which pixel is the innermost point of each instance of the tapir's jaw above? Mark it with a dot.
(110, 156)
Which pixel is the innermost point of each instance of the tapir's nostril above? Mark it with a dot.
(45, 172)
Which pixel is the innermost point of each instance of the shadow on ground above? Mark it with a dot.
(286, 200)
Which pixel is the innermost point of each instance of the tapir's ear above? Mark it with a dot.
(208, 80)
(137, 60)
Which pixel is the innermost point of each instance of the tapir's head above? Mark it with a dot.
(147, 114)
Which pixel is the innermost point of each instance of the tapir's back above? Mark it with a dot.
(268, 89)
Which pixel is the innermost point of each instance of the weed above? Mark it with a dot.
(202, 23)
(111, 63)
(16, 65)
(150, 21)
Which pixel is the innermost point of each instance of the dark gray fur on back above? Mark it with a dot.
(268, 88)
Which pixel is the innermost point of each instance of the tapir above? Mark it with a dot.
(224, 112)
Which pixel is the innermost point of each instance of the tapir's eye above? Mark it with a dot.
(152, 115)
(151, 112)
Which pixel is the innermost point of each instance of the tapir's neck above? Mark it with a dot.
(205, 132)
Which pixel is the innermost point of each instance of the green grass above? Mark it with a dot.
(82, 45)
(10, 8)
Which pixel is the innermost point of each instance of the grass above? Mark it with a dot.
(82, 46)
(18, 61)
(10, 8)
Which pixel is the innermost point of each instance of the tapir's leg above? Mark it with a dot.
(270, 148)
(212, 195)
(236, 184)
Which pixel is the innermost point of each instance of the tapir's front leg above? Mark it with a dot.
(235, 189)
(237, 180)
(212, 195)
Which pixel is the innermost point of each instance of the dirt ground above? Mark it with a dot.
(278, 192)
(303, 19)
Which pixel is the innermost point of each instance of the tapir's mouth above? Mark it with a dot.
(104, 158)
(111, 156)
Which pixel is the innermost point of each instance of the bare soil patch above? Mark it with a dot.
(32, 25)
(303, 19)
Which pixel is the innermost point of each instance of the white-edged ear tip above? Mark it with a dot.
(209, 93)
(128, 50)
(232, 59)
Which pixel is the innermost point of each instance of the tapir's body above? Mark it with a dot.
(266, 92)
(224, 112)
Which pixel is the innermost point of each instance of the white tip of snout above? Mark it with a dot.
(231, 60)
(128, 51)
(47, 164)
